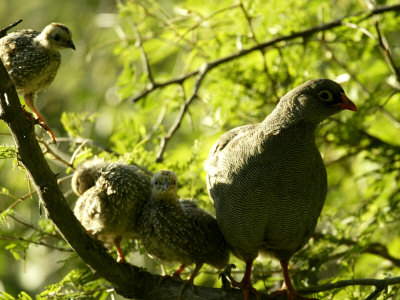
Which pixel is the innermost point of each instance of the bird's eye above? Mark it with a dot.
(325, 96)
(56, 37)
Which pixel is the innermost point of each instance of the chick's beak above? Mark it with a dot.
(346, 103)
(70, 44)
(165, 184)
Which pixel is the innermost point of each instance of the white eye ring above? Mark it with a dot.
(325, 96)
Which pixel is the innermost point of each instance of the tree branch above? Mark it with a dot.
(387, 52)
(372, 248)
(3, 31)
(145, 59)
(378, 283)
(184, 107)
(263, 45)
(87, 141)
(18, 238)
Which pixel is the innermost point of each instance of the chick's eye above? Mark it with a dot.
(56, 37)
(325, 96)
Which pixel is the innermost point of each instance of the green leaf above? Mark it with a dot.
(24, 296)
(8, 152)
(74, 123)
(6, 296)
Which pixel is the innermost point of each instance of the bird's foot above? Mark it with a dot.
(121, 256)
(226, 277)
(244, 285)
(39, 120)
(46, 127)
(290, 295)
(121, 260)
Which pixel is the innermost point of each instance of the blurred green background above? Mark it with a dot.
(359, 230)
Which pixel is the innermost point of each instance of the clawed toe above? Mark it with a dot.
(46, 127)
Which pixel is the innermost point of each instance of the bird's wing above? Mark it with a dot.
(88, 209)
(228, 137)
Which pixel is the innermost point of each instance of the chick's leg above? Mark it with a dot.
(121, 257)
(29, 100)
(190, 281)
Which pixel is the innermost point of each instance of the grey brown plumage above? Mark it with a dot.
(268, 181)
(87, 174)
(32, 59)
(179, 231)
(111, 197)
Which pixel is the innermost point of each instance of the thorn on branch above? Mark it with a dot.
(3, 31)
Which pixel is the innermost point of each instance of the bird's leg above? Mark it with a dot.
(175, 276)
(287, 287)
(29, 100)
(177, 273)
(190, 281)
(29, 115)
(121, 257)
(245, 284)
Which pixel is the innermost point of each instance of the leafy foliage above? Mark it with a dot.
(165, 111)
(8, 152)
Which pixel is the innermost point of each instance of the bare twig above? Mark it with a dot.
(204, 19)
(145, 59)
(352, 74)
(375, 293)
(87, 141)
(157, 85)
(372, 248)
(28, 225)
(379, 283)
(167, 24)
(18, 201)
(299, 34)
(262, 51)
(164, 141)
(386, 51)
(54, 154)
(3, 31)
(76, 152)
(17, 238)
